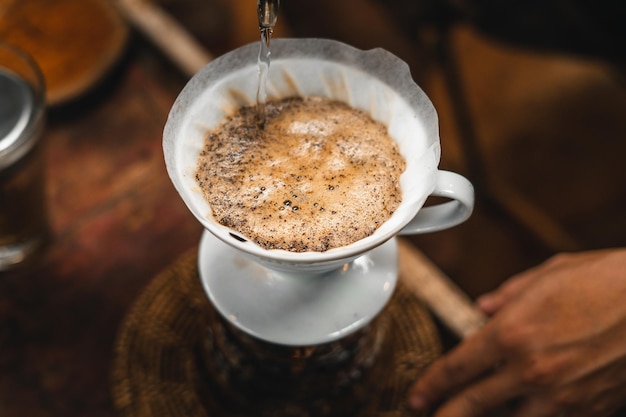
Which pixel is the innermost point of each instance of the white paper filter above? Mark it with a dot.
(375, 81)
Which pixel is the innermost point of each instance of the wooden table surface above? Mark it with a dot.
(116, 221)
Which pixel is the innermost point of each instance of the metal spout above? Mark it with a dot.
(268, 13)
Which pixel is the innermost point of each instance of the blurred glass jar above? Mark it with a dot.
(23, 221)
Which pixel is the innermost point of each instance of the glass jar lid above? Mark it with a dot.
(21, 114)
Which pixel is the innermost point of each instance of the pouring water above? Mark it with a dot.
(268, 13)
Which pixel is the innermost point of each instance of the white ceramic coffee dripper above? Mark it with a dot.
(375, 81)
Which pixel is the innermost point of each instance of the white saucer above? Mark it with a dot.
(293, 310)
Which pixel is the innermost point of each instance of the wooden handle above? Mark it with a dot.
(447, 301)
(174, 40)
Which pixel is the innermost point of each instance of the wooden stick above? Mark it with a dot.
(447, 301)
(174, 40)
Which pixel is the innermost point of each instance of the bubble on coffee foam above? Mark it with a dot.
(311, 127)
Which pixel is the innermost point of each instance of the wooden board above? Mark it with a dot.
(75, 42)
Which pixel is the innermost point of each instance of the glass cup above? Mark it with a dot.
(23, 224)
(375, 81)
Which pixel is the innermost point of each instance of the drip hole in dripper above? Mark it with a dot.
(239, 238)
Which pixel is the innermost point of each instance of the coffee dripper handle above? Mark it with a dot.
(448, 214)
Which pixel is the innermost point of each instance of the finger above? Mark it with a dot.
(490, 303)
(488, 394)
(473, 357)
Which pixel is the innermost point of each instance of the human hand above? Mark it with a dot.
(555, 345)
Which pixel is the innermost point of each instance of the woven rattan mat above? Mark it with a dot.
(157, 370)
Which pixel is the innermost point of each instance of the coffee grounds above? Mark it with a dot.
(318, 175)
